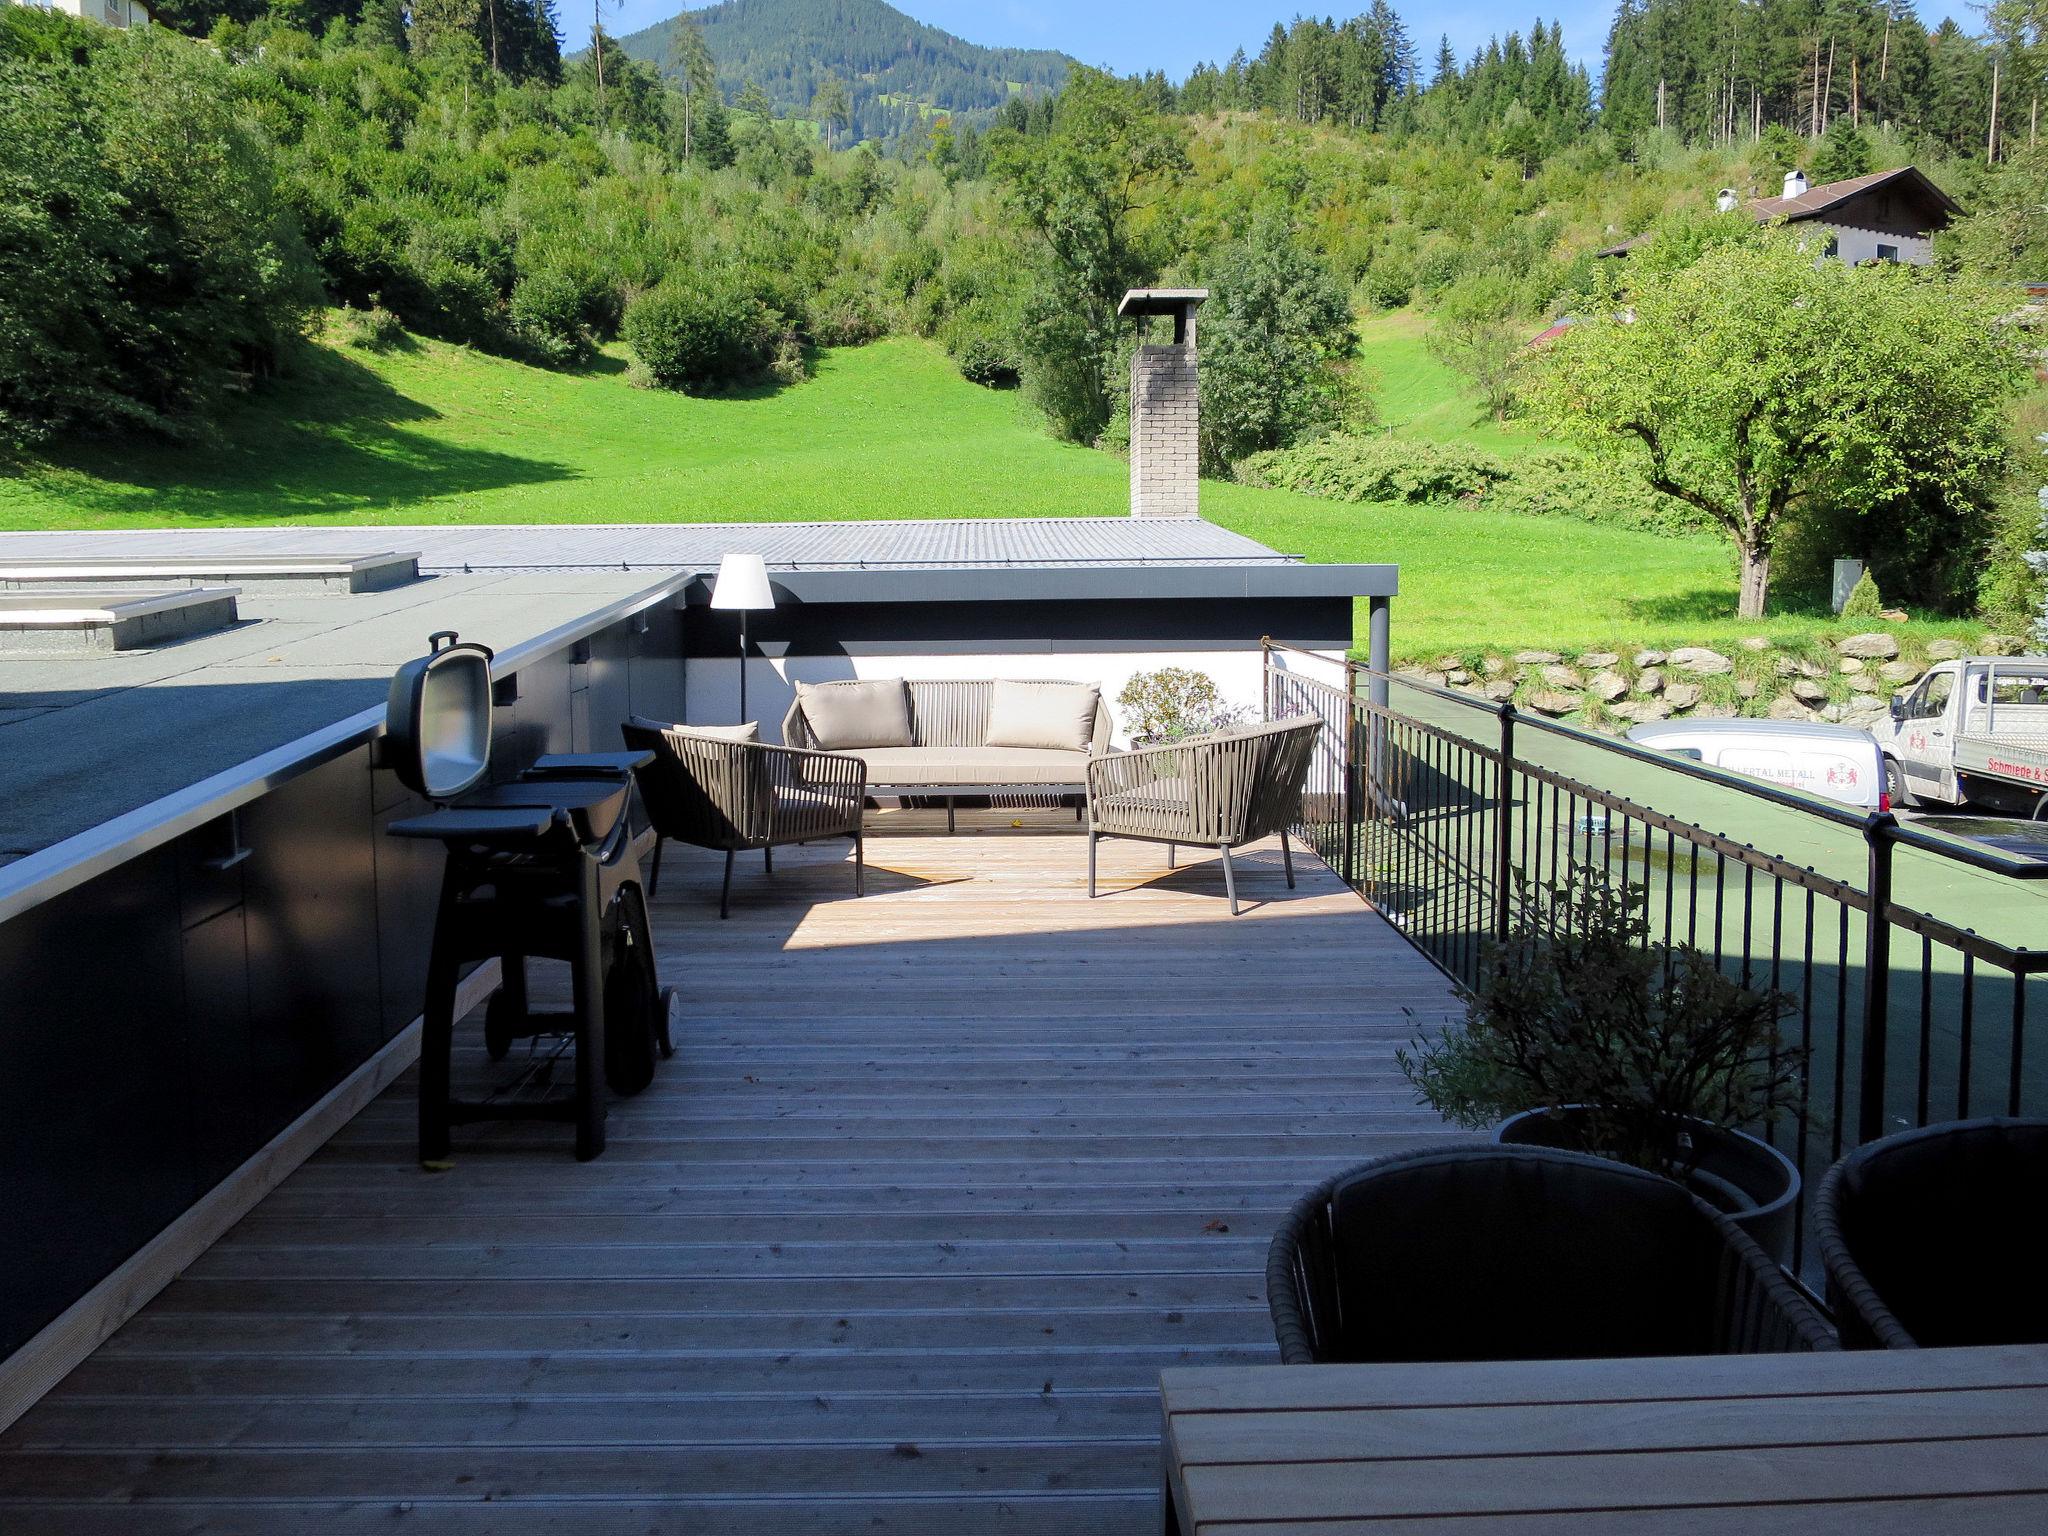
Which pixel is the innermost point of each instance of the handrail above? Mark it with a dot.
(1420, 838)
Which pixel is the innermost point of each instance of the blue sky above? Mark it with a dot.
(1130, 36)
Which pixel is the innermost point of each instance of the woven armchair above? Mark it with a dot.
(738, 795)
(1522, 1253)
(1932, 1237)
(1220, 791)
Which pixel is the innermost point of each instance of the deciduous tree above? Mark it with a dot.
(1759, 381)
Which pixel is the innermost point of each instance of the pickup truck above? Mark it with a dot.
(1971, 732)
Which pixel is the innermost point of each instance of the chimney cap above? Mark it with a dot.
(1161, 301)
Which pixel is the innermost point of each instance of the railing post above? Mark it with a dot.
(1877, 977)
(1351, 786)
(1504, 827)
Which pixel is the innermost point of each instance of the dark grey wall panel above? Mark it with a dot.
(312, 904)
(95, 1152)
(854, 629)
(219, 1075)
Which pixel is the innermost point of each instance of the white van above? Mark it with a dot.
(1835, 762)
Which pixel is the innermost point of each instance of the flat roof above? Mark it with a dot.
(87, 740)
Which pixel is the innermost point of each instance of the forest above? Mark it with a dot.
(446, 171)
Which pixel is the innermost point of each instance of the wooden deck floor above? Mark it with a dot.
(899, 1241)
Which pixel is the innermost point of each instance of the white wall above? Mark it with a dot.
(1855, 246)
(713, 683)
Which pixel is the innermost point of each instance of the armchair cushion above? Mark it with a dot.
(849, 715)
(751, 731)
(1055, 717)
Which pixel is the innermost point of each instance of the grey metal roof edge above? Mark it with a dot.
(49, 872)
(1026, 583)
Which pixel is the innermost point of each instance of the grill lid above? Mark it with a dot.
(437, 721)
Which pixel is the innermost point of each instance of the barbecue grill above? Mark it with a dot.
(540, 867)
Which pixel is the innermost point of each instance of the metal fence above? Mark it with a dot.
(1429, 803)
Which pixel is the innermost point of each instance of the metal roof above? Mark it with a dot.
(911, 543)
(1817, 200)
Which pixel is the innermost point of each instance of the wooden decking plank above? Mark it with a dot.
(936, 1186)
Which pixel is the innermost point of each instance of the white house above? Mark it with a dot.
(1885, 216)
(111, 13)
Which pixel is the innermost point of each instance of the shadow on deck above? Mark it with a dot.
(937, 1182)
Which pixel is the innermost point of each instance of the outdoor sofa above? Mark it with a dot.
(721, 787)
(945, 739)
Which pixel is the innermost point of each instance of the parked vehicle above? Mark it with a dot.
(1836, 762)
(1972, 732)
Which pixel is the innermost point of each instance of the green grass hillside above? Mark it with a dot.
(435, 433)
(1418, 396)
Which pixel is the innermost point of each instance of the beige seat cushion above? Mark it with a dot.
(871, 713)
(1057, 717)
(972, 765)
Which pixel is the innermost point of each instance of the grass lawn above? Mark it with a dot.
(438, 434)
(1421, 397)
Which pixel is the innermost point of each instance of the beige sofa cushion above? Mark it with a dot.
(751, 731)
(1055, 717)
(901, 766)
(843, 716)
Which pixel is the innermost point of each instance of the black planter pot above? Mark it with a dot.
(1752, 1181)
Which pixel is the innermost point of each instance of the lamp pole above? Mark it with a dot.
(743, 665)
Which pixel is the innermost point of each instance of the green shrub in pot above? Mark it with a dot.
(1643, 1040)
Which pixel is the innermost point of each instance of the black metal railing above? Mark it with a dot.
(1432, 804)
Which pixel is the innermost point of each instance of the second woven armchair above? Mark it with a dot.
(721, 789)
(1221, 791)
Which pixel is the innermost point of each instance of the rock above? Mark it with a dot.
(1458, 677)
(1833, 714)
(1785, 707)
(1785, 666)
(1717, 712)
(1851, 666)
(1607, 686)
(1755, 643)
(1807, 691)
(1492, 666)
(1944, 650)
(1538, 658)
(1745, 689)
(1682, 695)
(1899, 672)
(1863, 719)
(1426, 675)
(1813, 669)
(1449, 664)
(1640, 710)
(1651, 658)
(1500, 690)
(2001, 645)
(1869, 647)
(1893, 615)
(1864, 683)
(1650, 680)
(1548, 702)
(1561, 677)
(1698, 659)
(1600, 660)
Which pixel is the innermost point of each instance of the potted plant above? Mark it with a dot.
(1171, 704)
(1585, 1033)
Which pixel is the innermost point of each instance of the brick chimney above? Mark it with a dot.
(1166, 420)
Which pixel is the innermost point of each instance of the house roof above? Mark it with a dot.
(1818, 202)
(1815, 202)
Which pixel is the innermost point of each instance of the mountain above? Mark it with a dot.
(897, 70)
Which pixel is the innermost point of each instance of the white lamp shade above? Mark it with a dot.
(742, 582)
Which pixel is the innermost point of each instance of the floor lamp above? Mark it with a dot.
(742, 583)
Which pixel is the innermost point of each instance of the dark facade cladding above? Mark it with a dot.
(165, 1020)
(176, 1001)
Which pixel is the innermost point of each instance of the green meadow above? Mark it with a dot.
(430, 433)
